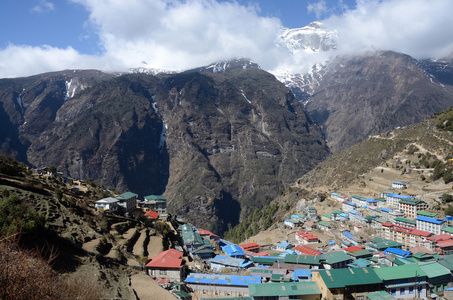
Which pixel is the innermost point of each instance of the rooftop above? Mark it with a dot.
(336, 257)
(400, 272)
(168, 259)
(430, 220)
(154, 197)
(338, 278)
(217, 279)
(433, 269)
(127, 195)
(284, 289)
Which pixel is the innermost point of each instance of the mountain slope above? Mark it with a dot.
(370, 94)
(218, 144)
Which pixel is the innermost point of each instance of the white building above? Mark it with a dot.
(430, 224)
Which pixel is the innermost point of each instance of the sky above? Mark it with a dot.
(39, 36)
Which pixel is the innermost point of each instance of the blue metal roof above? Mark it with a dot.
(350, 203)
(399, 182)
(233, 250)
(353, 211)
(370, 200)
(396, 251)
(283, 245)
(348, 234)
(228, 261)
(386, 210)
(430, 220)
(399, 196)
(344, 215)
(221, 281)
(205, 280)
(218, 279)
(301, 273)
(191, 279)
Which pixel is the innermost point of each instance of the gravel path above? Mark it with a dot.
(146, 288)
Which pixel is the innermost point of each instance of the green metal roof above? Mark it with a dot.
(381, 243)
(448, 229)
(327, 215)
(283, 289)
(381, 295)
(447, 262)
(324, 223)
(410, 201)
(127, 195)
(404, 220)
(426, 214)
(226, 298)
(154, 197)
(433, 269)
(189, 236)
(361, 253)
(400, 272)
(338, 278)
(266, 260)
(335, 257)
(303, 259)
(337, 212)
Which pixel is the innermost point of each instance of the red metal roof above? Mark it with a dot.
(444, 244)
(249, 246)
(151, 214)
(353, 249)
(442, 237)
(206, 232)
(162, 280)
(308, 236)
(307, 250)
(169, 259)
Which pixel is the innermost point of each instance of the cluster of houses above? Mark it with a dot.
(379, 269)
(410, 257)
(154, 206)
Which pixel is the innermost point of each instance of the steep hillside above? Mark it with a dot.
(418, 154)
(219, 141)
(233, 139)
(354, 97)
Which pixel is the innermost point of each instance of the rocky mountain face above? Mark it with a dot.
(354, 97)
(219, 144)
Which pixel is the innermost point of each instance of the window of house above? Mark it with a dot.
(402, 291)
(411, 290)
(162, 272)
(393, 292)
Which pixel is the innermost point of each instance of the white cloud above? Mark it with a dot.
(180, 34)
(319, 8)
(43, 6)
(420, 28)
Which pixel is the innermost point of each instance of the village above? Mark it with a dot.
(392, 247)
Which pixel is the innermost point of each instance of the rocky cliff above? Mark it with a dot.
(217, 143)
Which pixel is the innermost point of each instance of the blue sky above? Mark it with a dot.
(114, 35)
(64, 23)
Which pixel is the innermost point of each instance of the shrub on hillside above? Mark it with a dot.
(26, 275)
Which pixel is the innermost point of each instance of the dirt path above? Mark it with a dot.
(138, 247)
(146, 288)
(155, 246)
(91, 245)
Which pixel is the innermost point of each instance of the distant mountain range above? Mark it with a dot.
(219, 140)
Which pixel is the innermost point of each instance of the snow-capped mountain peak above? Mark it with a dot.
(311, 38)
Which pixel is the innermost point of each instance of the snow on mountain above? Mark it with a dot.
(305, 42)
(311, 38)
